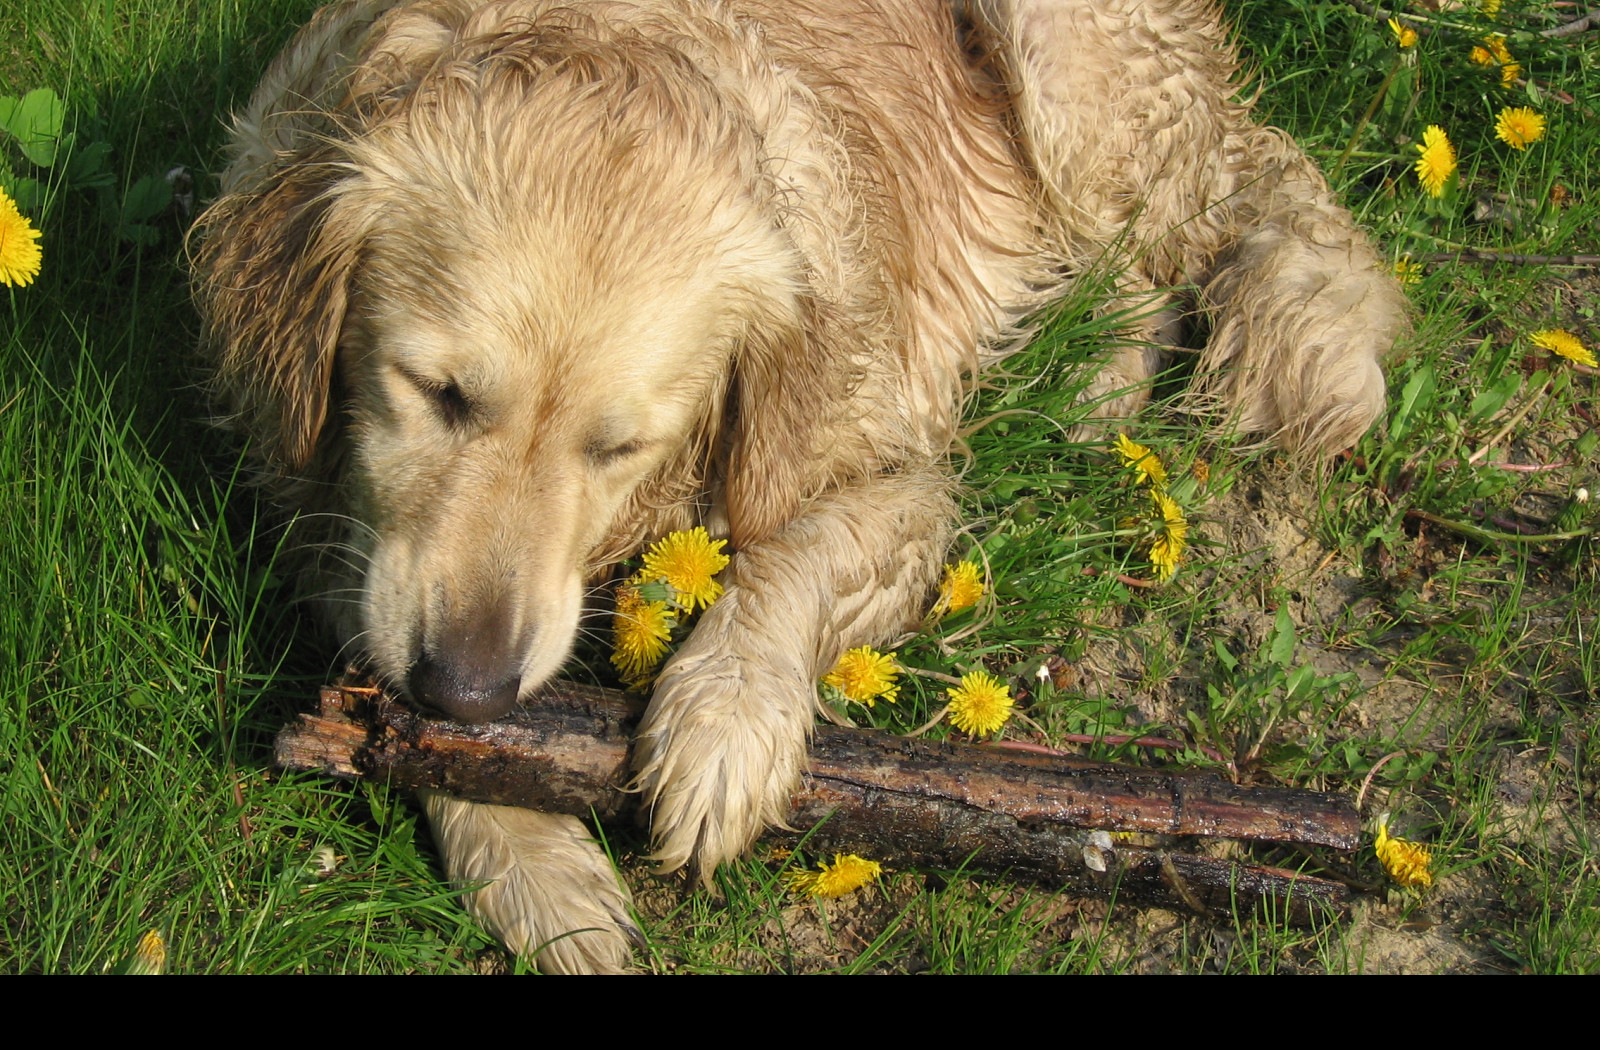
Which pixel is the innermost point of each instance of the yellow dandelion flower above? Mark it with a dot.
(1166, 552)
(961, 588)
(1437, 161)
(20, 256)
(1201, 470)
(640, 632)
(1406, 862)
(1404, 35)
(1141, 459)
(980, 705)
(687, 561)
(149, 955)
(1494, 52)
(1564, 344)
(1519, 128)
(1490, 8)
(846, 874)
(865, 676)
(1406, 271)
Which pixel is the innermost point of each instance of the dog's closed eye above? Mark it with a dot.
(605, 451)
(451, 403)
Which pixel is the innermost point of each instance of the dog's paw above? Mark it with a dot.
(720, 750)
(1119, 387)
(548, 891)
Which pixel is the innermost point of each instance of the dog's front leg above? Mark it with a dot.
(543, 888)
(724, 741)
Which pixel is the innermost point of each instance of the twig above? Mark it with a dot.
(1367, 780)
(1489, 535)
(1454, 246)
(1122, 577)
(1528, 468)
(938, 716)
(1426, 22)
(1025, 720)
(1520, 468)
(220, 682)
(1516, 417)
(938, 676)
(1520, 258)
(49, 787)
(1513, 526)
(1578, 25)
(1373, 11)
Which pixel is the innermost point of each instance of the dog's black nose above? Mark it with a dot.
(468, 694)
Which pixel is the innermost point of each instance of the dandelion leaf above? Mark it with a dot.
(1493, 399)
(27, 193)
(87, 168)
(1417, 395)
(35, 121)
(144, 200)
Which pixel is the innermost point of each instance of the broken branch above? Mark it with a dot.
(1044, 818)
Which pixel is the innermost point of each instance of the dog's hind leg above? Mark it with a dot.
(723, 743)
(1121, 383)
(1302, 316)
(1127, 110)
(544, 888)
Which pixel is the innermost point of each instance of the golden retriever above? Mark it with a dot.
(504, 290)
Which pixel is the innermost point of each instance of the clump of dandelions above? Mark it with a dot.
(678, 577)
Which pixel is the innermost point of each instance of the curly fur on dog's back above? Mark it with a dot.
(510, 288)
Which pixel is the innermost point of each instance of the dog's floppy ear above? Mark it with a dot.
(791, 384)
(273, 281)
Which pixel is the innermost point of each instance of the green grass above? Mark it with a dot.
(1387, 619)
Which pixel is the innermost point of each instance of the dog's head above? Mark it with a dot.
(528, 296)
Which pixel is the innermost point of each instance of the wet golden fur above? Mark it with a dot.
(508, 289)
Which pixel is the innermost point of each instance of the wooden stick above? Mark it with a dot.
(905, 802)
(1489, 255)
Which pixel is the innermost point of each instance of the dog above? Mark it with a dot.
(502, 290)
